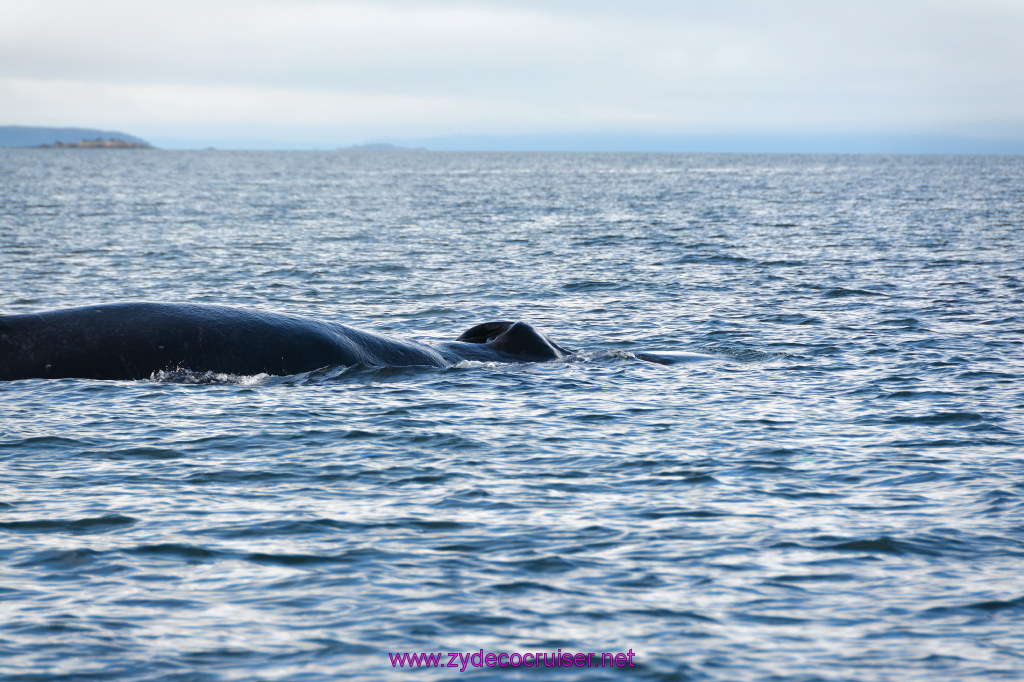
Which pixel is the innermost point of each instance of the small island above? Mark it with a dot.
(68, 138)
(98, 143)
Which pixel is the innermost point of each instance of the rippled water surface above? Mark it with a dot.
(831, 489)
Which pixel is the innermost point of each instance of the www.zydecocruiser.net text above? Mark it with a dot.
(462, 660)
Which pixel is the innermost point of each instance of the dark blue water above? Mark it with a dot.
(835, 492)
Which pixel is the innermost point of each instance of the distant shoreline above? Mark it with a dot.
(35, 137)
(98, 143)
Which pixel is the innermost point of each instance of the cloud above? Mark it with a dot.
(351, 70)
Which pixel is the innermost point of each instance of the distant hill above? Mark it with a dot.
(31, 136)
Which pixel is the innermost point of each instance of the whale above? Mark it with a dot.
(137, 340)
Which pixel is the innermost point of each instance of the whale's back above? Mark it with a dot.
(134, 340)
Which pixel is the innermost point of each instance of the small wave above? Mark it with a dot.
(902, 323)
(99, 524)
(947, 443)
(771, 619)
(330, 647)
(999, 605)
(142, 452)
(159, 603)
(546, 564)
(289, 528)
(316, 376)
(987, 607)
(422, 479)
(745, 355)
(920, 395)
(701, 354)
(172, 550)
(294, 560)
(526, 586)
(813, 577)
(240, 476)
(987, 375)
(952, 418)
(887, 545)
(684, 513)
(842, 292)
(187, 376)
(594, 285)
(57, 443)
(782, 263)
(349, 557)
(710, 259)
(61, 559)
(793, 318)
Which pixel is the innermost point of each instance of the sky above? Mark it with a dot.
(590, 73)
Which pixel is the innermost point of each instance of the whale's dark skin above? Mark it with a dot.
(136, 340)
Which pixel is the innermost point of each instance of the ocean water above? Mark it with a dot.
(832, 489)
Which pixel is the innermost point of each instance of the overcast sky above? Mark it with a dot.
(324, 73)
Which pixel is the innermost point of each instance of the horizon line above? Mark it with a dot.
(584, 142)
(718, 143)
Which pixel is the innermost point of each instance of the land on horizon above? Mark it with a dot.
(72, 137)
(65, 138)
